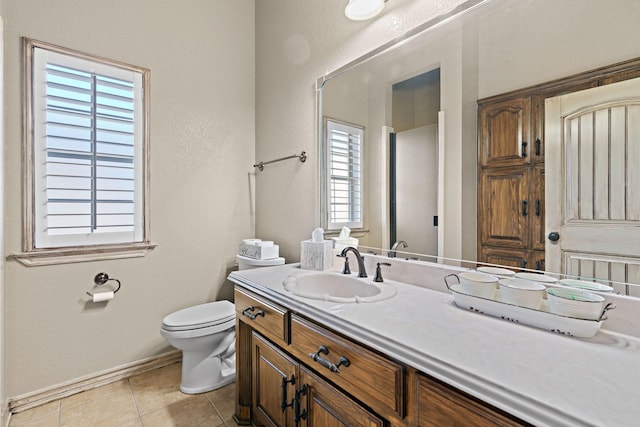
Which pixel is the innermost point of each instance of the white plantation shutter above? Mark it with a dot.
(344, 174)
(87, 130)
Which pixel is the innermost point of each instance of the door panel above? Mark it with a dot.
(324, 406)
(505, 207)
(505, 134)
(592, 176)
(271, 367)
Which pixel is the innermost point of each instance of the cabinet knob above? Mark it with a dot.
(554, 236)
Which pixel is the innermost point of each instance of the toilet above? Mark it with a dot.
(206, 335)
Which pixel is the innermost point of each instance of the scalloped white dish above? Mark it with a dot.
(586, 285)
(540, 318)
(536, 277)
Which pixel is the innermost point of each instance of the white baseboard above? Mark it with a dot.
(50, 394)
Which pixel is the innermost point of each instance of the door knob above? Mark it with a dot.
(554, 236)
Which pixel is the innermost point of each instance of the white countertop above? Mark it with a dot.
(544, 378)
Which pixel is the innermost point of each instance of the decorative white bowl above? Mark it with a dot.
(524, 293)
(496, 271)
(586, 285)
(575, 303)
(479, 284)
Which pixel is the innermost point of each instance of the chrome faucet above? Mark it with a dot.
(395, 246)
(361, 270)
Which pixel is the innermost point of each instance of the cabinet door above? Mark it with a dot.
(271, 369)
(538, 238)
(510, 257)
(505, 132)
(504, 207)
(324, 406)
(439, 405)
(536, 260)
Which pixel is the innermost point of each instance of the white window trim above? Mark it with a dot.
(329, 225)
(32, 256)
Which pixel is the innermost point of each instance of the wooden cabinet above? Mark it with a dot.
(505, 133)
(286, 393)
(361, 372)
(439, 405)
(273, 385)
(511, 181)
(294, 372)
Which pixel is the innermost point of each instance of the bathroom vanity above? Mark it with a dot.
(417, 359)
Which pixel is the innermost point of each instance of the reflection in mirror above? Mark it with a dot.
(480, 53)
(599, 285)
(413, 163)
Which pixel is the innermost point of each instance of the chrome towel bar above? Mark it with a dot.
(302, 156)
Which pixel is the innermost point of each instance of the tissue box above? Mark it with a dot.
(259, 250)
(316, 255)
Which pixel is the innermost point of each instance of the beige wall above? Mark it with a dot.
(202, 62)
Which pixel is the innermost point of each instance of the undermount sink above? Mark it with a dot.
(337, 287)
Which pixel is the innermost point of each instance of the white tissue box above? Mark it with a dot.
(259, 250)
(316, 255)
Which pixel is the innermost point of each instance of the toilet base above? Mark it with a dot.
(200, 375)
(226, 380)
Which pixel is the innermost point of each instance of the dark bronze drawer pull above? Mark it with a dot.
(343, 361)
(249, 313)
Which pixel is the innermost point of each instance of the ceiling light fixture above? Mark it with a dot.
(361, 10)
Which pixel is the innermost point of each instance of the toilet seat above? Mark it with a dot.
(218, 316)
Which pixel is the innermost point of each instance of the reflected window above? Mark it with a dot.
(343, 175)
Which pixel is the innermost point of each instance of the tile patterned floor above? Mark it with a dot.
(152, 399)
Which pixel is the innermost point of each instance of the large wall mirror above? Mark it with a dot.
(425, 87)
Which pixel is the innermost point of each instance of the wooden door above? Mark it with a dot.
(592, 183)
(272, 368)
(324, 406)
(505, 133)
(504, 207)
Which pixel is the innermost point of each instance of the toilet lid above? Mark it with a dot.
(200, 316)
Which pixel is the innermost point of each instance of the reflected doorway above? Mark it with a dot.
(413, 165)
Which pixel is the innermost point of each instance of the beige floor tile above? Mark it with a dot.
(121, 386)
(50, 420)
(194, 411)
(230, 422)
(46, 413)
(113, 409)
(224, 400)
(133, 423)
(156, 389)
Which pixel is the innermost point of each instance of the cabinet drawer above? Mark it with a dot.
(268, 318)
(359, 371)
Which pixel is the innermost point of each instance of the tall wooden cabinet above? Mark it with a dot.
(511, 184)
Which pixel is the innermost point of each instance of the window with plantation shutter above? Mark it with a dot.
(86, 150)
(344, 175)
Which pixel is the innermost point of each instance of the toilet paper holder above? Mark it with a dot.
(101, 279)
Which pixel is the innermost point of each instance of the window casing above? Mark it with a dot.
(344, 179)
(86, 153)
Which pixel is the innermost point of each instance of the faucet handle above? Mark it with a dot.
(345, 269)
(378, 276)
